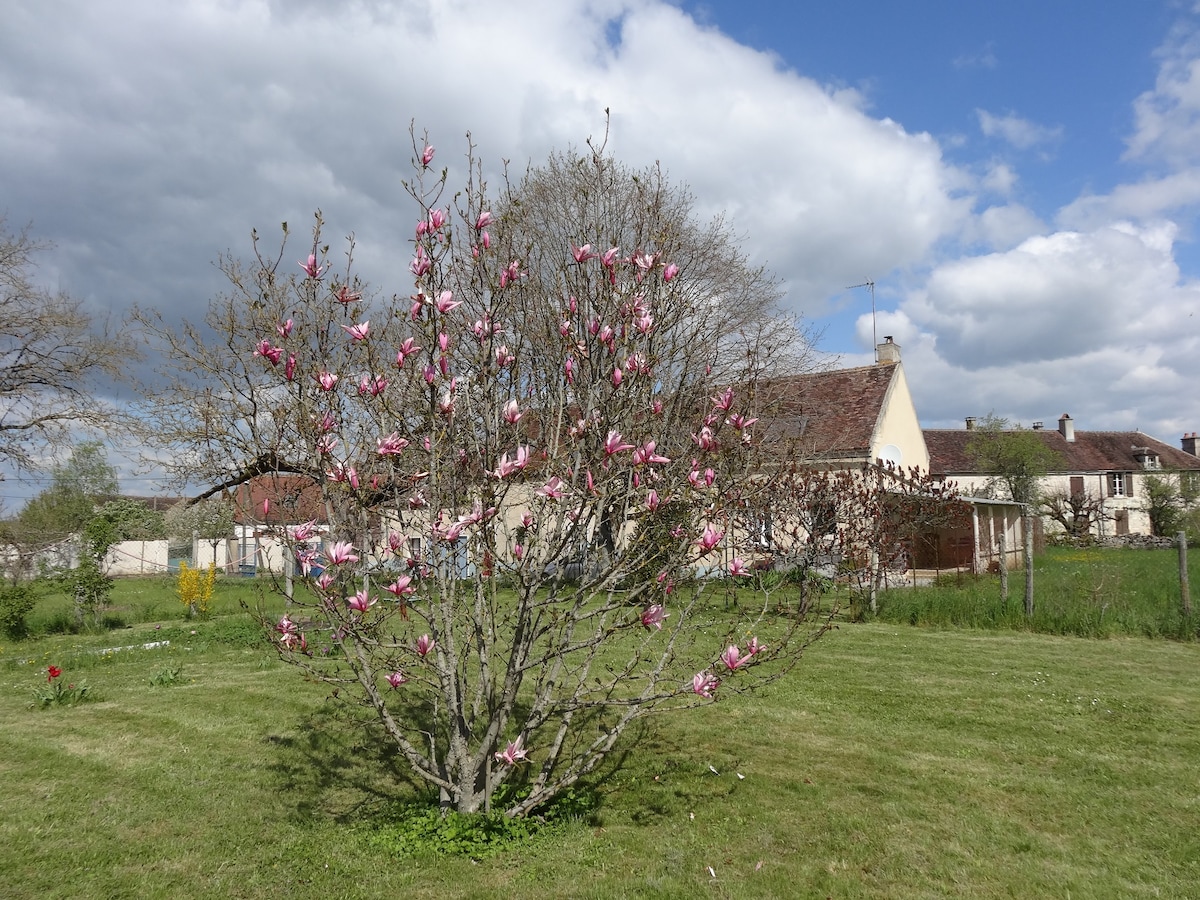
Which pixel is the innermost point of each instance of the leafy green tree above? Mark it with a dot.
(1170, 500)
(1016, 458)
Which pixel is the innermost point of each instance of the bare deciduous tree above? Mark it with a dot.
(52, 354)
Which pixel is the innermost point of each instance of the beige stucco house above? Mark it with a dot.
(1110, 467)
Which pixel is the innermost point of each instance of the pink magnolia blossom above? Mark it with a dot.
(373, 385)
(407, 349)
(310, 267)
(484, 220)
(417, 501)
(326, 423)
(303, 531)
(266, 507)
(670, 272)
(360, 602)
(306, 558)
(740, 422)
(646, 454)
(704, 683)
(266, 351)
(421, 262)
(554, 489)
(644, 323)
(446, 302)
(652, 616)
(358, 332)
(401, 587)
(286, 626)
(614, 444)
(528, 521)
(753, 647)
(738, 567)
(395, 542)
(429, 373)
(512, 412)
(391, 445)
(427, 156)
(345, 296)
(486, 239)
(424, 644)
(503, 356)
(645, 261)
(512, 754)
(508, 467)
(289, 367)
(511, 273)
(518, 552)
(583, 254)
(326, 380)
(396, 679)
(652, 501)
(326, 444)
(610, 257)
(325, 580)
(709, 539)
(657, 407)
(569, 370)
(285, 328)
(437, 218)
(617, 377)
(705, 440)
(733, 659)
(724, 401)
(341, 552)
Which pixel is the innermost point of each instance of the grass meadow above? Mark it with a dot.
(895, 761)
(1089, 592)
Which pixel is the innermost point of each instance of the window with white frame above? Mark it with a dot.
(1118, 484)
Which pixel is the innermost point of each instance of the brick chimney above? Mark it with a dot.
(1066, 427)
(1189, 443)
(887, 353)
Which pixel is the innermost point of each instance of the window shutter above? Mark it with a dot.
(1112, 484)
(1128, 484)
(1076, 485)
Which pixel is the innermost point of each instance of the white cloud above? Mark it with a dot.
(1021, 133)
(1096, 323)
(1167, 117)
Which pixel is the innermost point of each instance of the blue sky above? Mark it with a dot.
(1020, 179)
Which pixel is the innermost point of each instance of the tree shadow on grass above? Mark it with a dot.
(338, 765)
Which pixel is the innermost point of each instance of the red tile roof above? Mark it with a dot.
(1091, 451)
(832, 414)
(293, 499)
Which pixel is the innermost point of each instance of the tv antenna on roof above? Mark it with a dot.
(870, 285)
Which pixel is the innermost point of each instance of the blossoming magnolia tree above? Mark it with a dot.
(522, 462)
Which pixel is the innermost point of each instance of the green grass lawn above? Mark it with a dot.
(894, 762)
(1090, 592)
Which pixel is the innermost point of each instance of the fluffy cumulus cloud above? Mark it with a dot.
(1096, 323)
(147, 143)
(1091, 315)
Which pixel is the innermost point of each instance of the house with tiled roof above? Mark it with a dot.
(847, 416)
(1111, 467)
(263, 507)
(861, 416)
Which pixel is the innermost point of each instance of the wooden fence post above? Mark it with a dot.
(1027, 522)
(1184, 593)
(1003, 564)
